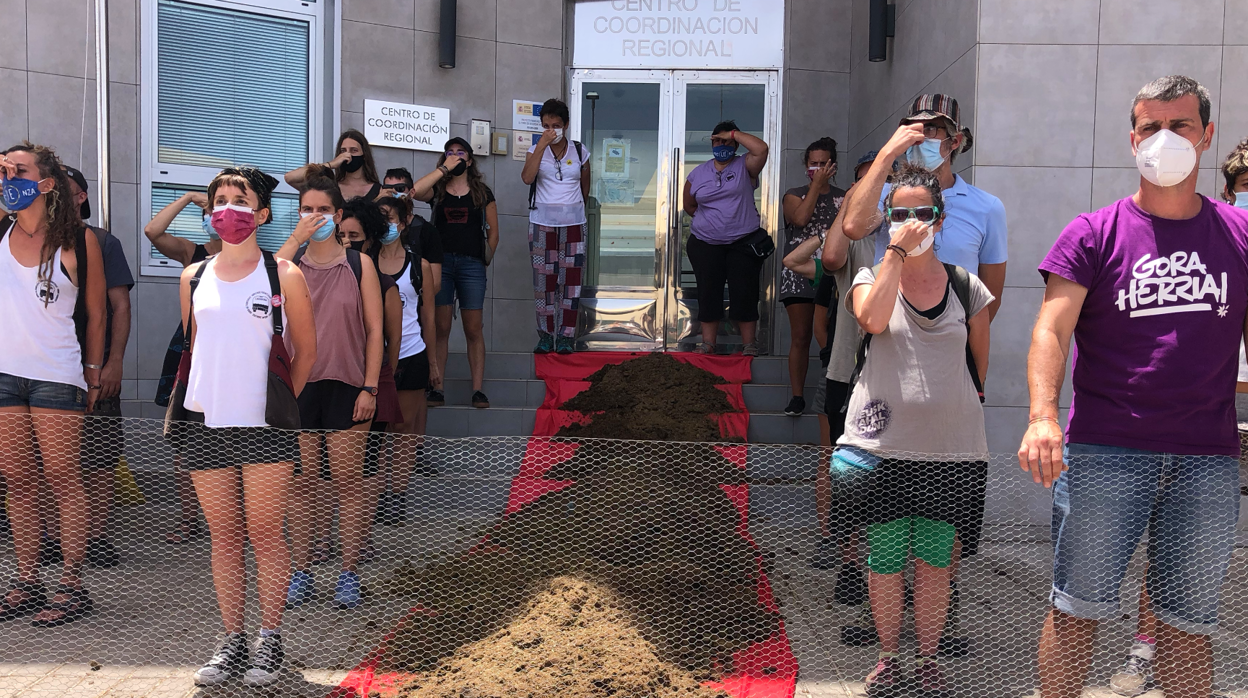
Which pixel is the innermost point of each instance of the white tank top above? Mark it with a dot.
(413, 342)
(230, 358)
(38, 341)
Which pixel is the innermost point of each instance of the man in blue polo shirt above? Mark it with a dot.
(973, 236)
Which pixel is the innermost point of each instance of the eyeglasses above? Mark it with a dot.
(397, 186)
(558, 167)
(923, 214)
(457, 154)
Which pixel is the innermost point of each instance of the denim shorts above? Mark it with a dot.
(463, 276)
(44, 395)
(1104, 503)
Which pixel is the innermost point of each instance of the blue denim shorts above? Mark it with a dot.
(1104, 503)
(463, 276)
(44, 395)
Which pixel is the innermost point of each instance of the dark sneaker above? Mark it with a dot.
(796, 407)
(826, 554)
(851, 586)
(228, 661)
(885, 680)
(565, 345)
(545, 343)
(435, 398)
(302, 589)
(50, 552)
(929, 680)
(862, 632)
(952, 644)
(348, 593)
(266, 666)
(479, 400)
(101, 553)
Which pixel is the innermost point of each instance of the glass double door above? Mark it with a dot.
(646, 130)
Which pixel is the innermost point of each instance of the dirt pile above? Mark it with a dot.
(572, 638)
(653, 398)
(646, 521)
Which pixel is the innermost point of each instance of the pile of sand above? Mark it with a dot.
(573, 638)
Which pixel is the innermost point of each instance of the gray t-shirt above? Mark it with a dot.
(915, 394)
(116, 273)
(848, 334)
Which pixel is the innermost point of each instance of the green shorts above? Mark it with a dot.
(891, 543)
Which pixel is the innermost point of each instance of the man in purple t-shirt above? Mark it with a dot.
(1154, 289)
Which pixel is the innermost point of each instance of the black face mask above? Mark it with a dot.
(355, 163)
(358, 245)
(459, 169)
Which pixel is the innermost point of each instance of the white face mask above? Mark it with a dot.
(558, 136)
(1166, 158)
(922, 247)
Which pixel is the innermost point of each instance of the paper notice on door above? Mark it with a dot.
(615, 159)
(521, 141)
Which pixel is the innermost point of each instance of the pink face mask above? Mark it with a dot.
(810, 172)
(234, 223)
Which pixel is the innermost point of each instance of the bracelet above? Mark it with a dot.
(445, 172)
(898, 250)
(94, 366)
(94, 387)
(1043, 419)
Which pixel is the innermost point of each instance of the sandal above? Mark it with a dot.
(76, 606)
(750, 349)
(704, 348)
(187, 531)
(322, 552)
(36, 595)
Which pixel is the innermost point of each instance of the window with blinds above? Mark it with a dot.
(187, 224)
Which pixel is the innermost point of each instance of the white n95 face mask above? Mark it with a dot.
(1166, 158)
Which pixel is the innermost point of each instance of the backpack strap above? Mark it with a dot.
(186, 334)
(80, 303)
(353, 261)
(860, 358)
(298, 255)
(960, 279)
(275, 291)
(414, 273)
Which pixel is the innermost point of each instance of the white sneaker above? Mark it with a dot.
(266, 668)
(1135, 677)
(227, 662)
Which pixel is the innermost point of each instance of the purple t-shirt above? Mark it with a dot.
(726, 210)
(1157, 342)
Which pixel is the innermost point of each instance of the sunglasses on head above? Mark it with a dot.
(397, 186)
(923, 214)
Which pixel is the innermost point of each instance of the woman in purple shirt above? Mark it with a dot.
(719, 194)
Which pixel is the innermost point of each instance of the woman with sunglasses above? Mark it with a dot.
(557, 173)
(466, 217)
(914, 438)
(353, 166)
(724, 242)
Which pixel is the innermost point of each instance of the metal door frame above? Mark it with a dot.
(659, 312)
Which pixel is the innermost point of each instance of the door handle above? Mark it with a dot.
(674, 192)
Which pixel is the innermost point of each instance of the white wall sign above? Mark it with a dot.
(409, 126)
(679, 34)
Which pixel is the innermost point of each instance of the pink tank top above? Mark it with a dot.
(339, 312)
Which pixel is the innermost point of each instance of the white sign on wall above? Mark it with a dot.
(679, 34)
(410, 126)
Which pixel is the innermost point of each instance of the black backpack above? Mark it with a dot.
(80, 304)
(353, 261)
(960, 279)
(580, 157)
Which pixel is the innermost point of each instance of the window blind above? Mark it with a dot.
(187, 224)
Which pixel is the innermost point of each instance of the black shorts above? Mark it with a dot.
(328, 404)
(834, 395)
(713, 266)
(941, 491)
(796, 300)
(208, 448)
(103, 436)
(413, 372)
(825, 292)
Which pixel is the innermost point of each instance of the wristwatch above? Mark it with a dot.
(372, 390)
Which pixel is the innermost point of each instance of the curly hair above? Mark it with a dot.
(63, 223)
(400, 205)
(912, 176)
(372, 222)
(1234, 166)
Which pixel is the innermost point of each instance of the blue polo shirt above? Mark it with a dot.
(974, 229)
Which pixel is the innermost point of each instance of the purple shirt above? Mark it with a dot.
(1157, 341)
(726, 210)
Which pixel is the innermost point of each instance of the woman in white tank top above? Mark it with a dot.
(242, 468)
(47, 378)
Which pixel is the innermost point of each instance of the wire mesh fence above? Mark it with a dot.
(423, 566)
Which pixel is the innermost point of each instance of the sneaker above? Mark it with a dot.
(266, 668)
(851, 586)
(1135, 677)
(826, 554)
(479, 400)
(953, 645)
(750, 349)
(228, 661)
(929, 679)
(101, 553)
(348, 591)
(434, 398)
(545, 343)
(301, 590)
(565, 345)
(862, 632)
(885, 680)
(797, 405)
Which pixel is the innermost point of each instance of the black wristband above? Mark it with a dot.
(898, 250)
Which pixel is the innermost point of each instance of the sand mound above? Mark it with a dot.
(573, 638)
